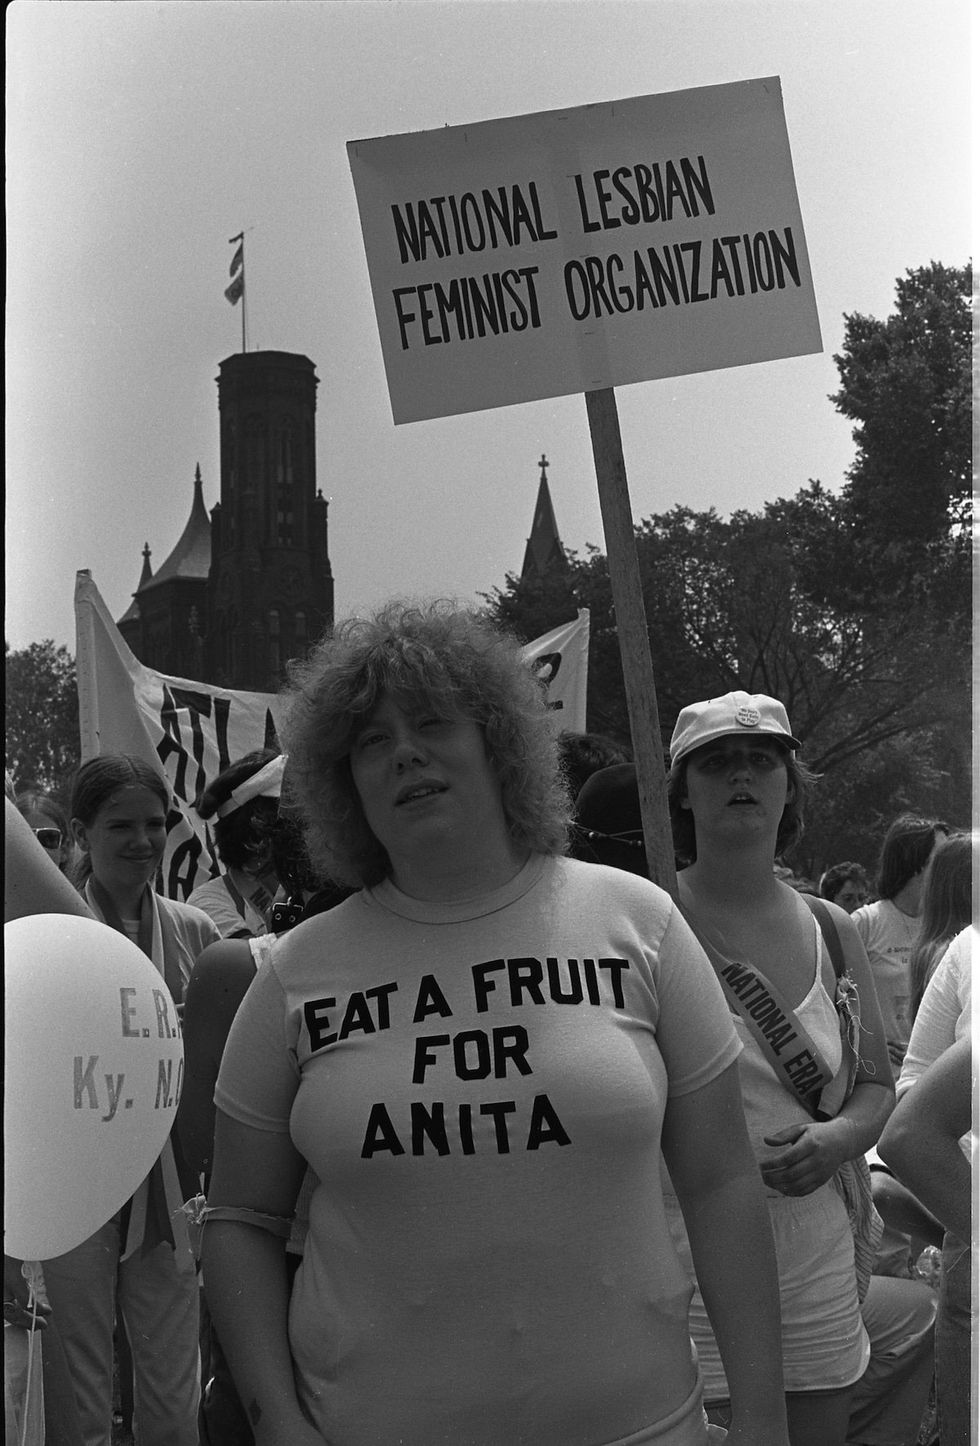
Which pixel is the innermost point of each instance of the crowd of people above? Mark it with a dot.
(486, 1138)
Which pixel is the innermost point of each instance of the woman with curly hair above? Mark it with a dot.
(845, 885)
(480, 1056)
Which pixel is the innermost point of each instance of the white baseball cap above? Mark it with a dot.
(736, 712)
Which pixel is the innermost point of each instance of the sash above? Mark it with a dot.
(798, 1064)
(784, 1041)
(152, 1215)
(259, 898)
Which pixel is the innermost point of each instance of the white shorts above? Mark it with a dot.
(825, 1346)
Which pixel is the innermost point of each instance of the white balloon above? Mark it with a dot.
(94, 1064)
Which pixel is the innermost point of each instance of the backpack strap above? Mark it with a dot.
(828, 929)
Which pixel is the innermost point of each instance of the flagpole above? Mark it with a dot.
(244, 345)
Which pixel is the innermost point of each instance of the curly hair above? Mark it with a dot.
(790, 824)
(834, 879)
(243, 838)
(440, 656)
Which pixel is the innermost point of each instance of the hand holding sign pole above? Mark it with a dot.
(579, 250)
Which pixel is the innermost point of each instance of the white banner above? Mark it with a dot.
(189, 731)
(561, 661)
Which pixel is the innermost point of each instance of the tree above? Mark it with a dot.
(907, 383)
(43, 744)
(747, 603)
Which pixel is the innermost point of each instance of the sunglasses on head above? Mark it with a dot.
(49, 838)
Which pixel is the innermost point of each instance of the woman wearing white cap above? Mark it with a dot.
(814, 1103)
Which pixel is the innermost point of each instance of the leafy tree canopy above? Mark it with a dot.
(43, 745)
(906, 382)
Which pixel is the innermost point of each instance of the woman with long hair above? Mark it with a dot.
(947, 907)
(482, 1056)
(138, 1262)
(815, 1098)
(888, 926)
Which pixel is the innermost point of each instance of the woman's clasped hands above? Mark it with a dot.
(809, 1155)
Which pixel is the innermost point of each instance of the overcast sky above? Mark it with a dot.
(141, 136)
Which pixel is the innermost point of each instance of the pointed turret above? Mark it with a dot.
(133, 612)
(191, 558)
(544, 552)
(156, 625)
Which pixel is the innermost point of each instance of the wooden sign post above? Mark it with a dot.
(633, 634)
(576, 251)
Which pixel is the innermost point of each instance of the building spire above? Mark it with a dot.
(544, 551)
(147, 572)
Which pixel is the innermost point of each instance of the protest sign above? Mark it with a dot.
(569, 251)
(578, 250)
(189, 731)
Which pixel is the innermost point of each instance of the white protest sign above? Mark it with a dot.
(574, 250)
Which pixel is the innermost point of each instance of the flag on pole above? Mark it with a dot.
(237, 259)
(190, 731)
(234, 291)
(561, 661)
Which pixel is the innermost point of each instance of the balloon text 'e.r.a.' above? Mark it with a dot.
(94, 1067)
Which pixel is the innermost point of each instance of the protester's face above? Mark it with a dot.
(125, 841)
(48, 835)
(737, 785)
(850, 896)
(423, 779)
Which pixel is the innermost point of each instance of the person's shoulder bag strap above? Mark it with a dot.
(828, 929)
(853, 1179)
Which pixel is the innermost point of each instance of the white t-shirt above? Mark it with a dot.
(479, 1089)
(888, 935)
(944, 1016)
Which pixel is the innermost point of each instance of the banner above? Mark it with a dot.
(560, 659)
(190, 731)
(580, 249)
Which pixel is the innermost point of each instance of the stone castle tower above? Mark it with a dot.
(251, 587)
